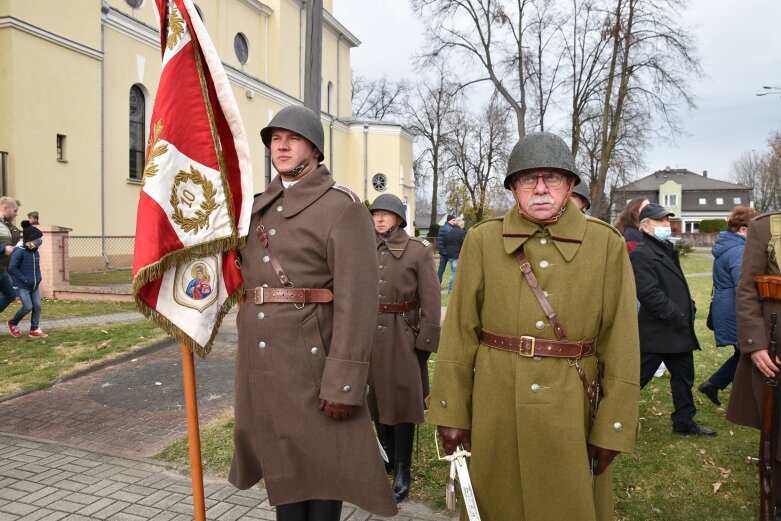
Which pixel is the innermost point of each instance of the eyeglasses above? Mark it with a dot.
(551, 180)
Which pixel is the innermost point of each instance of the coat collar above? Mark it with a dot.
(396, 243)
(299, 196)
(665, 256)
(567, 233)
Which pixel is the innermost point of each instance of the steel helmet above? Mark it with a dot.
(582, 190)
(540, 150)
(390, 203)
(302, 121)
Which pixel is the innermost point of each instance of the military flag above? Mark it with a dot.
(194, 208)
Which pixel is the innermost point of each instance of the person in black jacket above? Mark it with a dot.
(450, 222)
(453, 241)
(666, 316)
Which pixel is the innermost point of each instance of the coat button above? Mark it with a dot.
(428, 340)
(264, 285)
(543, 264)
(539, 324)
(314, 350)
(536, 358)
(261, 345)
(261, 315)
(383, 253)
(535, 388)
(266, 258)
(543, 241)
(618, 427)
(381, 266)
(272, 231)
(750, 341)
(346, 389)
(546, 293)
(382, 281)
(443, 403)
(279, 208)
(406, 328)
(379, 327)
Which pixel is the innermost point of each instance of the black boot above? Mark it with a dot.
(324, 510)
(385, 435)
(292, 511)
(403, 434)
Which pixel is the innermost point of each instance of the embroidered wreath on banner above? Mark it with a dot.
(208, 203)
(176, 27)
(155, 151)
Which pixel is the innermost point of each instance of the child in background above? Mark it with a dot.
(25, 269)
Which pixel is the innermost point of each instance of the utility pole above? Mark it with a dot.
(313, 55)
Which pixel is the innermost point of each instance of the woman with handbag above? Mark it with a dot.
(728, 254)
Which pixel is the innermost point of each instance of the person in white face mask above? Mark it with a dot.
(666, 316)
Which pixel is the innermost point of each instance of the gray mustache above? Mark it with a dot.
(542, 199)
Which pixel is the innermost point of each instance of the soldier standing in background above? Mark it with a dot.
(407, 333)
(512, 382)
(760, 257)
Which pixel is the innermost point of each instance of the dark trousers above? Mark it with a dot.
(443, 259)
(312, 510)
(681, 367)
(726, 373)
(7, 289)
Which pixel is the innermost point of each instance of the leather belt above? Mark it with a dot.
(262, 295)
(532, 346)
(399, 307)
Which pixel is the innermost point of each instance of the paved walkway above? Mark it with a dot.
(80, 449)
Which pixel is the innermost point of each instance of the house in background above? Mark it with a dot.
(692, 197)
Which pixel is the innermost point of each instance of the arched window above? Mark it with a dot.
(241, 47)
(137, 132)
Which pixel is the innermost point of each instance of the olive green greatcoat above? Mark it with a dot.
(398, 376)
(290, 357)
(528, 416)
(753, 316)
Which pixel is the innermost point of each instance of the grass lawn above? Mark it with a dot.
(34, 363)
(101, 278)
(72, 308)
(668, 477)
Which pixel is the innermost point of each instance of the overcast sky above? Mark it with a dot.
(739, 43)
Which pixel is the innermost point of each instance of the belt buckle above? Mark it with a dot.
(533, 342)
(259, 295)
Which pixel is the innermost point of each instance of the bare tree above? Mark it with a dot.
(651, 58)
(490, 32)
(762, 172)
(477, 153)
(426, 116)
(379, 98)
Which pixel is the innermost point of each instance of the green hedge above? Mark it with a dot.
(713, 225)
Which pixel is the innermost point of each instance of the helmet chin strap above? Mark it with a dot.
(302, 166)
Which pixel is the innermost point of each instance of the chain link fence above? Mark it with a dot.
(100, 260)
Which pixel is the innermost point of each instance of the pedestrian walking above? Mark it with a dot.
(25, 268)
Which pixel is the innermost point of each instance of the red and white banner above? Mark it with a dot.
(194, 208)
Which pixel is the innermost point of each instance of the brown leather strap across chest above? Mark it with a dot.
(532, 346)
(398, 307)
(262, 295)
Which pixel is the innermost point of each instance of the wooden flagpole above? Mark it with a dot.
(193, 433)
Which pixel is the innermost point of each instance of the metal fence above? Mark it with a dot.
(92, 260)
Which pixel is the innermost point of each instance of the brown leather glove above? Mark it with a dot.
(603, 457)
(452, 437)
(337, 411)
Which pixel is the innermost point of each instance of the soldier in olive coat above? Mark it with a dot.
(753, 316)
(506, 382)
(305, 335)
(407, 333)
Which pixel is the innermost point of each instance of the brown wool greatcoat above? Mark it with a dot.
(289, 359)
(398, 379)
(528, 416)
(753, 316)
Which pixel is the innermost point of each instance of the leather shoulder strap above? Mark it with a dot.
(553, 317)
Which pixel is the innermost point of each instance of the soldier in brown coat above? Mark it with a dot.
(305, 336)
(407, 333)
(753, 316)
